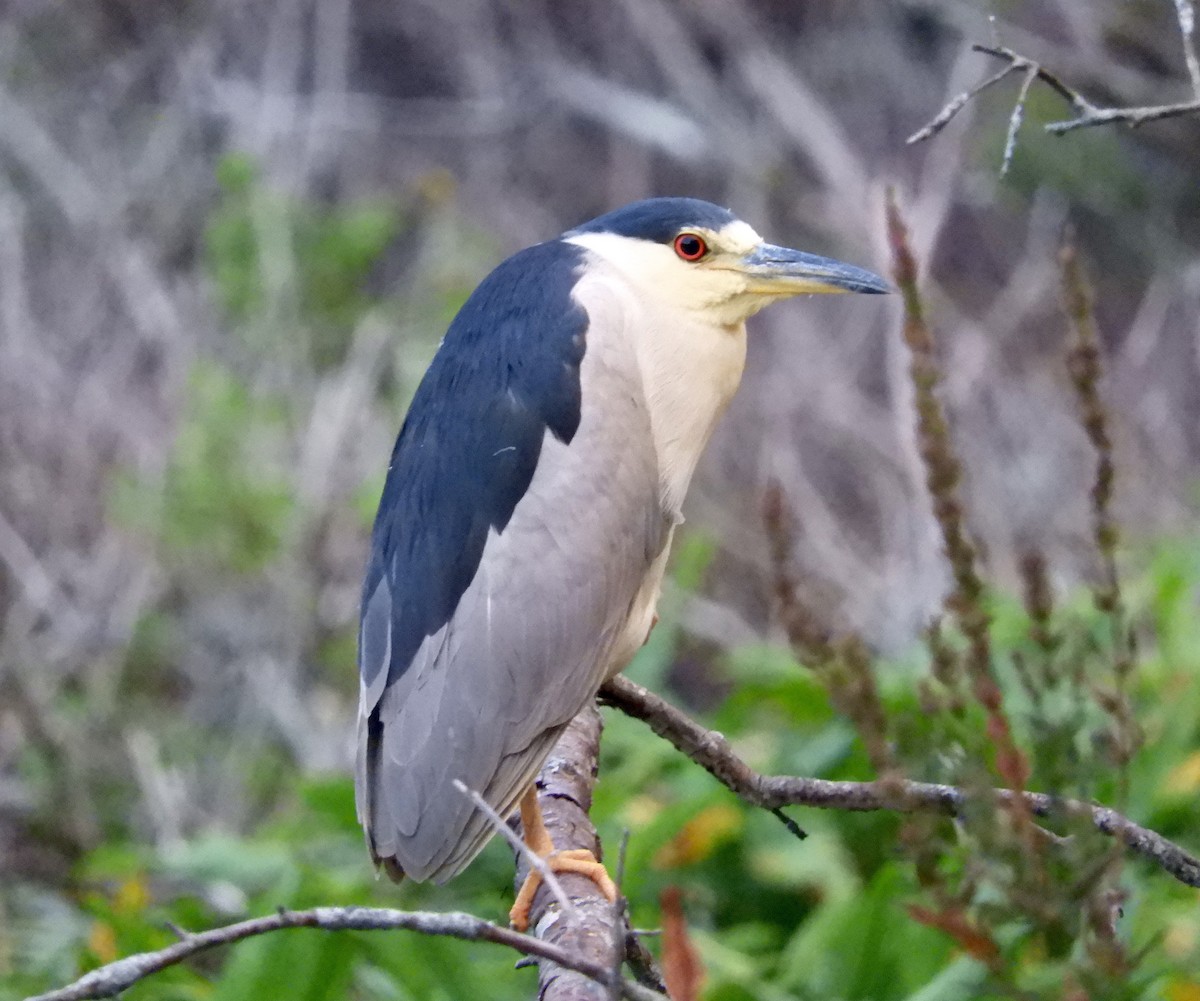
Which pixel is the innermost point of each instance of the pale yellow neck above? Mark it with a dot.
(690, 371)
(686, 328)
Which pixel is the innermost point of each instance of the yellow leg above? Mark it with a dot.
(577, 860)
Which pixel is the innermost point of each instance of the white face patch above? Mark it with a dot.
(715, 286)
(738, 238)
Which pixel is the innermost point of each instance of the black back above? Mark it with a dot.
(507, 370)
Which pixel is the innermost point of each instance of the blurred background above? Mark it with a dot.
(231, 236)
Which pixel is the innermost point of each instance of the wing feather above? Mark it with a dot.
(483, 693)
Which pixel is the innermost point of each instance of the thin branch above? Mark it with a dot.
(1015, 119)
(592, 943)
(712, 752)
(518, 845)
(641, 961)
(1185, 11)
(117, 976)
(1087, 115)
(1132, 117)
(1068, 93)
(956, 104)
(1017, 63)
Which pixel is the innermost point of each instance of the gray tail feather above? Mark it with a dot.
(367, 794)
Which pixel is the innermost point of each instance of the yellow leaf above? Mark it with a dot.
(1183, 990)
(699, 836)
(102, 941)
(131, 897)
(1185, 776)
(1180, 938)
(641, 810)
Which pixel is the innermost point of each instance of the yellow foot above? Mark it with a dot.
(577, 860)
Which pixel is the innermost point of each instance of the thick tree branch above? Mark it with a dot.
(711, 751)
(117, 976)
(597, 932)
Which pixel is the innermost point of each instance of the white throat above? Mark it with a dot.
(691, 369)
(690, 358)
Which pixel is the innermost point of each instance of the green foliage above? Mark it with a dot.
(224, 499)
(858, 910)
(831, 916)
(773, 917)
(291, 273)
(1093, 168)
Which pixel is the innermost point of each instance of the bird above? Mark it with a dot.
(523, 531)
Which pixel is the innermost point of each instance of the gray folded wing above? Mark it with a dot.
(553, 605)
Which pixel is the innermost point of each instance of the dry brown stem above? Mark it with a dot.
(943, 473)
(1085, 367)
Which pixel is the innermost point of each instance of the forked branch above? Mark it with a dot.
(1086, 114)
(118, 976)
(708, 749)
(581, 948)
(712, 752)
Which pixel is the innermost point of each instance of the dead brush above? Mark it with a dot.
(1051, 712)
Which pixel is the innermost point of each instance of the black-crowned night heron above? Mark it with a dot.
(520, 544)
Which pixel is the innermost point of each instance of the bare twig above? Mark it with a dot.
(1186, 12)
(117, 976)
(1015, 119)
(712, 752)
(1016, 63)
(956, 104)
(518, 845)
(1132, 117)
(1086, 114)
(1068, 93)
(641, 961)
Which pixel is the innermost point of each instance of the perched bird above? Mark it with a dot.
(519, 548)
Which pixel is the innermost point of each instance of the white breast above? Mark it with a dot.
(690, 366)
(689, 371)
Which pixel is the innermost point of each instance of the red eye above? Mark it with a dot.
(690, 247)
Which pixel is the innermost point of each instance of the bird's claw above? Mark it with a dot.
(576, 860)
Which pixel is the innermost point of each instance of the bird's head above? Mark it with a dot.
(700, 257)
